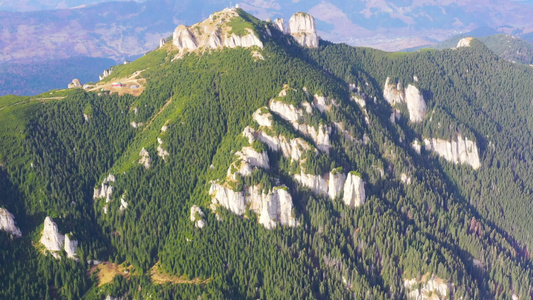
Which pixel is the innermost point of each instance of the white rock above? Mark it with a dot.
(183, 38)
(357, 99)
(197, 216)
(105, 190)
(286, 111)
(293, 148)
(434, 288)
(320, 103)
(123, 204)
(317, 183)
(417, 146)
(263, 117)
(272, 207)
(254, 158)
(145, 158)
(249, 40)
(354, 190)
(7, 223)
(393, 93)
(415, 104)
(335, 184)
(302, 28)
(233, 201)
(280, 24)
(464, 42)
(86, 117)
(51, 239)
(161, 152)
(249, 133)
(70, 247)
(405, 179)
(462, 151)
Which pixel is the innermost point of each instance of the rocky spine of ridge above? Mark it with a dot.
(7, 223)
(214, 33)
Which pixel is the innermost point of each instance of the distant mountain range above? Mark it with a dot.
(41, 30)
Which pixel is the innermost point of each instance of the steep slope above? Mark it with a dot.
(266, 171)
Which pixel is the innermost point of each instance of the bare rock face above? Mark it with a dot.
(302, 28)
(279, 24)
(7, 223)
(123, 204)
(161, 152)
(234, 201)
(105, 190)
(254, 158)
(317, 183)
(214, 33)
(70, 247)
(197, 216)
(393, 93)
(184, 39)
(263, 117)
(432, 288)
(51, 238)
(464, 42)
(335, 183)
(415, 104)
(417, 146)
(145, 158)
(75, 84)
(272, 207)
(161, 42)
(462, 151)
(354, 190)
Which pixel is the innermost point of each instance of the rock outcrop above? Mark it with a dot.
(354, 190)
(105, 189)
(7, 223)
(395, 95)
(123, 204)
(263, 117)
(70, 247)
(302, 28)
(464, 42)
(145, 158)
(161, 42)
(434, 288)
(197, 216)
(279, 24)
(161, 152)
(51, 239)
(460, 151)
(316, 183)
(272, 207)
(336, 183)
(415, 104)
(296, 117)
(75, 84)
(215, 33)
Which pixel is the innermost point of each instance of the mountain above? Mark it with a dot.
(250, 159)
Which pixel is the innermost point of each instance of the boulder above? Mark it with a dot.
(75, 84)
(197, 216)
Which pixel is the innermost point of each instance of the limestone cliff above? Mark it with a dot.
(459, 151)
(316, 183)
(7, 223)
(464, 42)
(354, 190)
(105, 190)
(215, 32)
(70, 247)
(145, 158)
(395, 95)
(302, 28)
(415, 104)
(232, 200)
(161, 152)
(75, 84)
(279, 24)
(51, 239)
(335, 183)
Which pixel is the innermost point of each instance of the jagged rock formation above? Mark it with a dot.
(464, 42)
(197, 216)
(302, 28)
(316, 183)
(161, 42)
(460, 151)
(415, 104)
(75, 84)
(7, 223)
(335, 183)
(53, 241)
(105, 73)
(105, 190)
(354, 190)
(214, 33)
(279, 24)
(145, 158)
(395, 95)
(434, 288)
(248, 158)
(161, 152)
(274, 206)
(296, 117)
(263, 117)
(417, 146)
(70, 247)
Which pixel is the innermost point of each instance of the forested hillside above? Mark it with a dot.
(274, 171)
